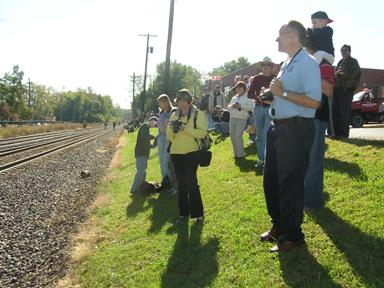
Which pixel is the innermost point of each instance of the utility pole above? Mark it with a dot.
(133, 85)
(29, 93)
(167, 73)
(146, 62)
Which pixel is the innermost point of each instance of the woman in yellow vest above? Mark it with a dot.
(184, 137)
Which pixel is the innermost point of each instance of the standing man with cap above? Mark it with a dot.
(261, 110)
(296, 95)
(347, 74)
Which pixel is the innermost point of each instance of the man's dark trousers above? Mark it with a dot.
(342, 102)
(286, 160)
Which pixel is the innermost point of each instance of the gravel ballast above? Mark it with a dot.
(41, 205)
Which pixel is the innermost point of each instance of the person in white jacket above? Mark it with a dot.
(239, 108)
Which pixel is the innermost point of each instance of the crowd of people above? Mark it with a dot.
(291, 113)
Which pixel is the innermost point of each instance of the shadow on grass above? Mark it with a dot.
(220, 138)
(164, 210)
(137, 205)
(250, 150)
(300, 269)
(351, 169)
(244, 164)
(364, 142)
(192, 264)
(364, 253)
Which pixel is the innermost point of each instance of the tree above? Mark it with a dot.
(182, 76)
(230, 67)
(13, 93)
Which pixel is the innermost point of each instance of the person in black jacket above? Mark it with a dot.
(348, 75)
(321, 36)
(142, 150)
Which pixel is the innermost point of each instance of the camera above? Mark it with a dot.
(238, 108)
(176, 125)
(266, 96)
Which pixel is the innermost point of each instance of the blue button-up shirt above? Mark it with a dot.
(301, 76)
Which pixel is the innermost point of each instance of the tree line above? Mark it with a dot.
(182, 76)
(21, 100)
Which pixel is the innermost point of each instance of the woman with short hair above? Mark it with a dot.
(239, 109)
(184, 136)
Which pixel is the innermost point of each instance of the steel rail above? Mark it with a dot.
(28, 159)
(14, 150)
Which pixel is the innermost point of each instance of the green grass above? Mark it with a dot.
(143, 248)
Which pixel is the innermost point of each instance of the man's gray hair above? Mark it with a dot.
(301, 31)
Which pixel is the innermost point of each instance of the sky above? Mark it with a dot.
(71, 44)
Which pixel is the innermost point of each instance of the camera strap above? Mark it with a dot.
(284, 68)
(189, 114)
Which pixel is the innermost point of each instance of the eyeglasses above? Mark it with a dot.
(344, 50)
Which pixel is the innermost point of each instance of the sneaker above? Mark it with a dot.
(259, 164)
(172, 191)
(200, 219)
(181, 219)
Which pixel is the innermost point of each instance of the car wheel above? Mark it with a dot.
(357, 120)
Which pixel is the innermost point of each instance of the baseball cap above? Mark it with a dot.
(321, 15)
(266, 61)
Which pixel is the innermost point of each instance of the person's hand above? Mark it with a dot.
(276, 87)
(262, 91)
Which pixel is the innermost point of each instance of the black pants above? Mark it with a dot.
(342, 101)
(190, 202)
(288, 147)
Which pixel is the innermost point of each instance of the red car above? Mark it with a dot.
(366, 108)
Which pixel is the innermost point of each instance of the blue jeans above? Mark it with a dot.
(262, 122)
(313, 184)
(210, 120)
(141, 166)
(162, 145)
(222, 127)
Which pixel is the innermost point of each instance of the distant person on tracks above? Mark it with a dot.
(142, 150)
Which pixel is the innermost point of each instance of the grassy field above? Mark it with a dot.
(138, 244)
(14, 130)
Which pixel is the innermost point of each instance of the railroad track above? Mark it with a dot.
(58, 144)
(19, 145)
(24, 140)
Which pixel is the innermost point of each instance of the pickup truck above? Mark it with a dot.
(366, 108)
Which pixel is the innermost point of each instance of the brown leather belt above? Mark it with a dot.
(288, 120)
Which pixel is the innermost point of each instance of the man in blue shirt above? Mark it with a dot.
(296, 96)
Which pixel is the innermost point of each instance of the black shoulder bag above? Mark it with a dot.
(204, 156)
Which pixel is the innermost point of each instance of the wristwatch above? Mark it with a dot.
(285, 94)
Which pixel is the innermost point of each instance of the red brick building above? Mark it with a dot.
(370, 78)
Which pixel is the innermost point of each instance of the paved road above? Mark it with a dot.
(369, 131)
